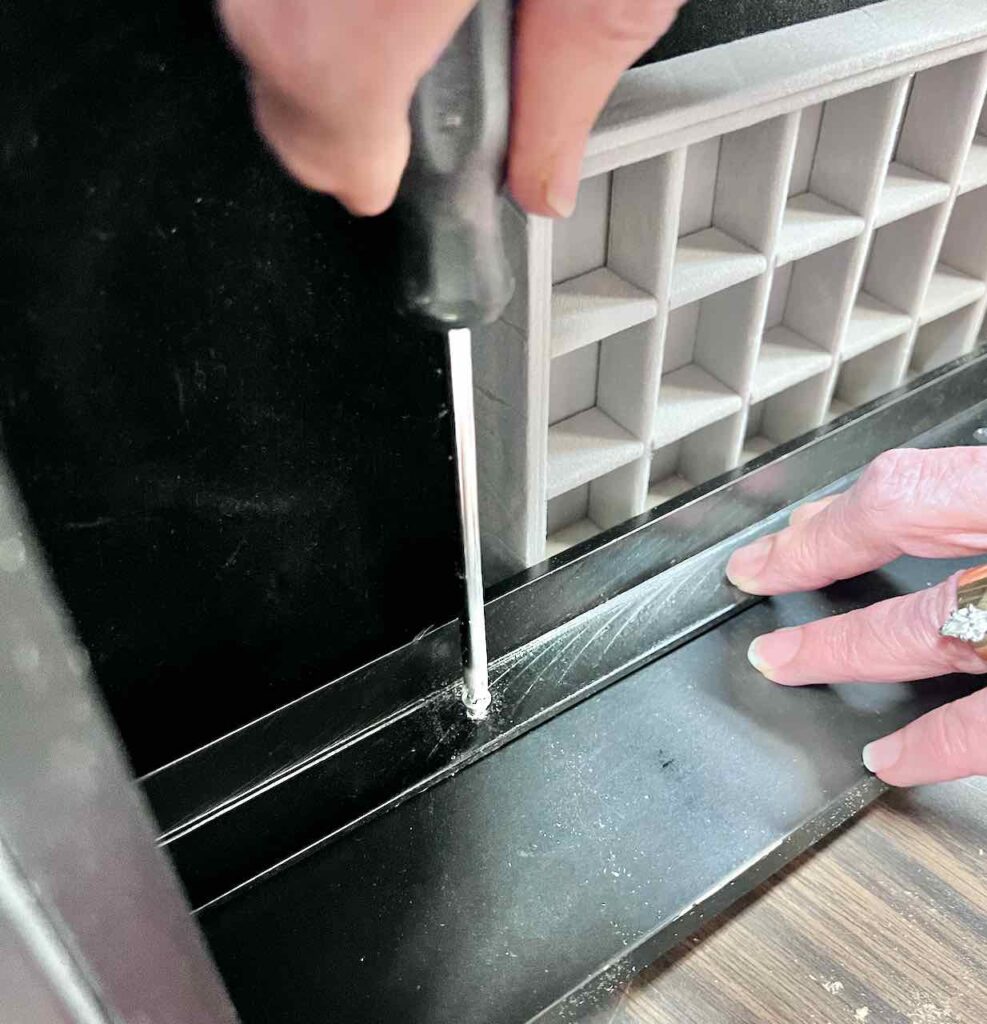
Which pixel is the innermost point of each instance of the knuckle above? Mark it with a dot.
(870, 647)
(808, 553)
(810, 548)
(795, 556)
(892, 478)
(628, 24)
(806, 566)
(873, 642)
(922, 497)
(845, 641)
(953, 735)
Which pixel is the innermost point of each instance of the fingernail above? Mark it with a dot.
(883, 754)
(559, 200)
(770, 653)
(746, 564)
(562, 185)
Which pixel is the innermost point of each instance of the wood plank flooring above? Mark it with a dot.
(885, 923)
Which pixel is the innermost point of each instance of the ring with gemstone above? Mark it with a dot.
(969, 621)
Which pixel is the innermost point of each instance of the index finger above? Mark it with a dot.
(332, 81)
(932, 504)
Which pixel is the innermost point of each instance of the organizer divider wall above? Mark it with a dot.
(710, 300)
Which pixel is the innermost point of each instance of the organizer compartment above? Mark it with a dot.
(702, 379)
(691, 460)
(941, 340)
(783, 416)
(583, 511)
(869, 374)
(723, 220)
(712, 299)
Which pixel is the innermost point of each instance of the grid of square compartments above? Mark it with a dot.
(704, 305)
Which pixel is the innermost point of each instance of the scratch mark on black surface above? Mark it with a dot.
(557, 656)
(180, 388)
(91, 524)
(596, 630)
(642, 603)
(231, 561)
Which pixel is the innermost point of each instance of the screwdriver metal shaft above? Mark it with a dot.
(476, 684)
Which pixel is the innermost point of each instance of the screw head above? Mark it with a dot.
(478, 707)
(980, 435)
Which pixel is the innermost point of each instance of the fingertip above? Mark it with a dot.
(359, 202)
(370, 181)
(363, 172)
(773, 655)
(881, 756)
(546, 184)
(362, 199)
(529, 195)
(944, 744)
(746, 565)
(756, 658)
(748, 586)
(560, 201)
(537, 201)
(366, 204)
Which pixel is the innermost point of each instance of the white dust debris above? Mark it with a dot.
(929, 1013)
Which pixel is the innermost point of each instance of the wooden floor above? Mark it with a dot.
(886, 922)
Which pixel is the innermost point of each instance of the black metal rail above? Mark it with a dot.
(284, 785)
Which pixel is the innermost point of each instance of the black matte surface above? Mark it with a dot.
(235, 455)
(495, 893)
(704, 23)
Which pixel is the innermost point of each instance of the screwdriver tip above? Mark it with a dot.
(476, 693)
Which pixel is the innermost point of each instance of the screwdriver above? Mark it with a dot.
(455, 272)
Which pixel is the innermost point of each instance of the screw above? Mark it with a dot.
(980, 435)
(477, 708)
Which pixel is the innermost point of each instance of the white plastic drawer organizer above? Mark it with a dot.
(767, 234)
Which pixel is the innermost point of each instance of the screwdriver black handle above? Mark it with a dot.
(455, 272)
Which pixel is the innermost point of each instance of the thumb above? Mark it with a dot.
(948, 743)
(331, 83)
(569, 56)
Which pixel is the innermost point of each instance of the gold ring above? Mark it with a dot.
(969, 621)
